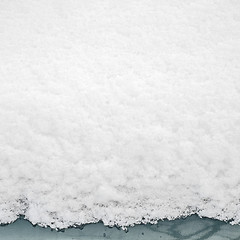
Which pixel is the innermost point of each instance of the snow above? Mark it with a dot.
(120, 111)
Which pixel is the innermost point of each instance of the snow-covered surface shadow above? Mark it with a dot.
(191, 228)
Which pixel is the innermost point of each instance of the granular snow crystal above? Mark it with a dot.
(120, 111)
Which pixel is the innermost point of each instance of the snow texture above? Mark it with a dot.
(121, 111)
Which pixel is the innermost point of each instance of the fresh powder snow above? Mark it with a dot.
(120, 111)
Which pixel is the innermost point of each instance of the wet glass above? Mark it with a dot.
(190, 228)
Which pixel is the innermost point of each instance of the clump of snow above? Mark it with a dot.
(120, 111)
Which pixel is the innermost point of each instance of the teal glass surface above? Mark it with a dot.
(190, 228)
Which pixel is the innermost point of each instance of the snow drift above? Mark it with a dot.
(120, 111)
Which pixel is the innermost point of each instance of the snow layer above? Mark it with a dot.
(120, 111)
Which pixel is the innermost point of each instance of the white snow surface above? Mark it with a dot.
(121, 111)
